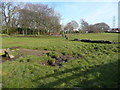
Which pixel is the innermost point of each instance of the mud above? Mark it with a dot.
(95, 41)
(62, 59)
(33, 52)
(21, 52)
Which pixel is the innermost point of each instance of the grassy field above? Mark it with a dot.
(96, 68)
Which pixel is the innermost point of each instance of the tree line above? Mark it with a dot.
(39, 19)
(73, 27)
(20, 18)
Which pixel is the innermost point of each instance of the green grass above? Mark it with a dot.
(98, 68)
(98, 36)
(48, 41)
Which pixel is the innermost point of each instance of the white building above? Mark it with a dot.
(77, 29)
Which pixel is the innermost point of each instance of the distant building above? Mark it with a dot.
(116, 29)
(113, 30)
(76, 29)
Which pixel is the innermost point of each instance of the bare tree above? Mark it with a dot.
(98, 27)
(74, 24)
(43, 18)
(31, 18)
(0, 21)
(68, 27)
(54, 23)
(8, 11)
(84, 25)
(101, 26)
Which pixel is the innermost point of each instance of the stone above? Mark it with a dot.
(11, 56)
(4, 53)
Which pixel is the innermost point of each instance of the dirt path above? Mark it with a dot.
(33, 52)
(20, 52)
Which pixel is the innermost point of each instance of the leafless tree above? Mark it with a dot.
(98, 27)
(101, 26)
(0, 21)
(42, 18)
(34, 18)
(84, 25)
(68, 28)
(8, 11)
(74, 24)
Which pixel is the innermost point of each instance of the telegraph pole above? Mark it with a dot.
(114, 24)
(119, 14)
